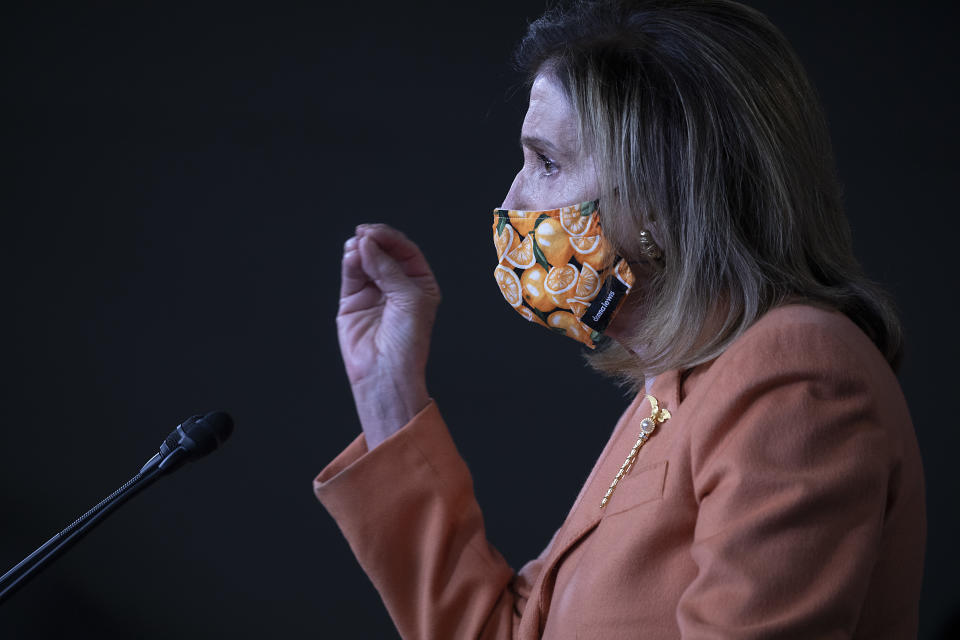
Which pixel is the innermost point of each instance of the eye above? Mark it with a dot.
(548, 166)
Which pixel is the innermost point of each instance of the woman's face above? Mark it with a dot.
(556, 171)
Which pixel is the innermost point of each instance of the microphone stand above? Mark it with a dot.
(30, 566)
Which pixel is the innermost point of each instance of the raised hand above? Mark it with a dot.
(388, 302)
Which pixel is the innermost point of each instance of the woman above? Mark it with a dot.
(678, 207)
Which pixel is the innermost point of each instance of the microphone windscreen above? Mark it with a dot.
(209, 431)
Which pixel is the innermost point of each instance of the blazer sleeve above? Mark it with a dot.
(408, 512)
(791, 476)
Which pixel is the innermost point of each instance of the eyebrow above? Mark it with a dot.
(539, 143)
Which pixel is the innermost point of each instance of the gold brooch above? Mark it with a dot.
(647, 426)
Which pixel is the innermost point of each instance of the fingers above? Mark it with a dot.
(381, 257)
(352, 276)
(385, 272)
(396, 245)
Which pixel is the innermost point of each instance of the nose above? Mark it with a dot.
(514, 199)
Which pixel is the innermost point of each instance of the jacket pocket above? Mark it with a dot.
(642, 485)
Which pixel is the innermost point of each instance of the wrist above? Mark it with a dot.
(385, 405)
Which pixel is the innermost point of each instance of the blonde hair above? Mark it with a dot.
(706, 131)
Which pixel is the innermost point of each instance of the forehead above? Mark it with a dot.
(550, 116)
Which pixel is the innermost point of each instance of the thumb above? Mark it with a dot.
(384, 270)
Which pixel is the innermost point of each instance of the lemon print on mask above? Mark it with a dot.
(504, 239)
(523, 221)
(577, 220)
(522, 255)
(534, 291)
(552, 240)
(509, 285)
(568, 323)
(624, 273)
(588, 283)
(555, 265)
(561, 284)
(578, 307)
(584, 246)
(530, 315)
(592, 250)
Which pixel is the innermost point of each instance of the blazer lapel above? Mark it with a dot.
(586, 512)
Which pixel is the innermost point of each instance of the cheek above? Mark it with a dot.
(571, 189)
(576, 183)
(587, 180)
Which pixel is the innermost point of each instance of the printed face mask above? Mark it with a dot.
(557, 270)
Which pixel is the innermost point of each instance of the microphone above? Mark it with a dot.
(194, 438)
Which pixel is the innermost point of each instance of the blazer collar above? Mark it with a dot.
(666, 389)
(671, 387)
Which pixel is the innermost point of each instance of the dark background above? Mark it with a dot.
(178, 182)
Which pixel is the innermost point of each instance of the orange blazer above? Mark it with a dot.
(783, 499)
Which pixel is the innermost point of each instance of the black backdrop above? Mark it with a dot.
(178, 182)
